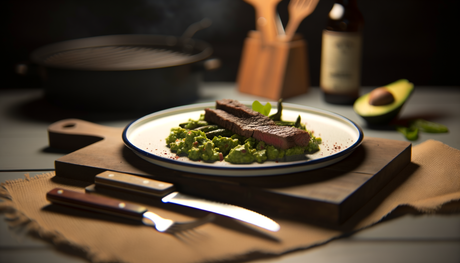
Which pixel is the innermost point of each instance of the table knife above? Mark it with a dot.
(168, 194)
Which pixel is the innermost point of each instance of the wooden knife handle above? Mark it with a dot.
(96, 203)
(134, 183)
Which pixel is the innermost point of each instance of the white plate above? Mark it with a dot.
(146, 137)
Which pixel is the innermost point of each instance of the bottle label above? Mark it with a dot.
(341, 62)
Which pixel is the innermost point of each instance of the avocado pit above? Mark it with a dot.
(385, 103)
(381, 96)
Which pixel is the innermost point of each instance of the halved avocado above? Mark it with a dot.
(401, 91)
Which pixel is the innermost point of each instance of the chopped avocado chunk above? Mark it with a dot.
(382, 114)
(225, 144)
(194, 144)
(274, 153)
(241, 154)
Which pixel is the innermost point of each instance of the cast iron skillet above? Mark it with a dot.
(123, 72)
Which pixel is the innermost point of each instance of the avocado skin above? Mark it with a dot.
(384, 118)
(392, 112)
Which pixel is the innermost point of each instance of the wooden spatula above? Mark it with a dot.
(298, 11)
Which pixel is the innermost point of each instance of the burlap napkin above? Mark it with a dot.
(429, 182)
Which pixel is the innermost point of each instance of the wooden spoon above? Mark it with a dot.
(266, 18)
(298, 11)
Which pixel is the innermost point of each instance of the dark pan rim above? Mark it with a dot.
(201, 49)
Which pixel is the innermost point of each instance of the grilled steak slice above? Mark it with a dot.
(260, 127)
(241, 126)
(283, 137)
(237, 108)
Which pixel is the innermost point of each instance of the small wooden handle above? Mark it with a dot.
(96, 203)
(134, 183)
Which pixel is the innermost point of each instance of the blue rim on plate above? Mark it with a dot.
(146, 138)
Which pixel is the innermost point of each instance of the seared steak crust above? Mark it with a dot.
(237, 108)
(283, 137)
(241, 126)
(256, 125)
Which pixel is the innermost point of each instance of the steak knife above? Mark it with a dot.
(112, 206)
(166, 191)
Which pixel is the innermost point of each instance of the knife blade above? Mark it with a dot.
(112, 206)
(168, 194)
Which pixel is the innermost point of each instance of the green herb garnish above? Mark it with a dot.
(263, 109)
(428, 126)
(411, 132)
(277, 115)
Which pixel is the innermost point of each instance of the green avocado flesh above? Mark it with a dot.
(234, 149)
(401, 91)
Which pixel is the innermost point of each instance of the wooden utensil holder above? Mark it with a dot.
(273, 70)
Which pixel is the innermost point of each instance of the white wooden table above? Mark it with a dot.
(425, 238)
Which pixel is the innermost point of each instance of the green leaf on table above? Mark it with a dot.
(263, 109)
(428, 126)
(410, 133)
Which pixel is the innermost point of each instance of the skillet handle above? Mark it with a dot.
(207, 65)
(27, 69)
(74, 134)
(212, 64)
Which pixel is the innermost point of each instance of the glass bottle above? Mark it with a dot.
(340, 77)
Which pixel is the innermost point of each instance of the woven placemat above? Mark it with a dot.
(431, 183)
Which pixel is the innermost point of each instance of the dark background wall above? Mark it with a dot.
(413, 39)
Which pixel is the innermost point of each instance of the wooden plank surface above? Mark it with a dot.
(406, 239)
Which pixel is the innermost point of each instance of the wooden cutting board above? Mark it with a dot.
(331, 194)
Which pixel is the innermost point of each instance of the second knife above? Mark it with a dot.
(167, 193)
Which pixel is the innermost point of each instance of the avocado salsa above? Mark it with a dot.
(200, 140)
